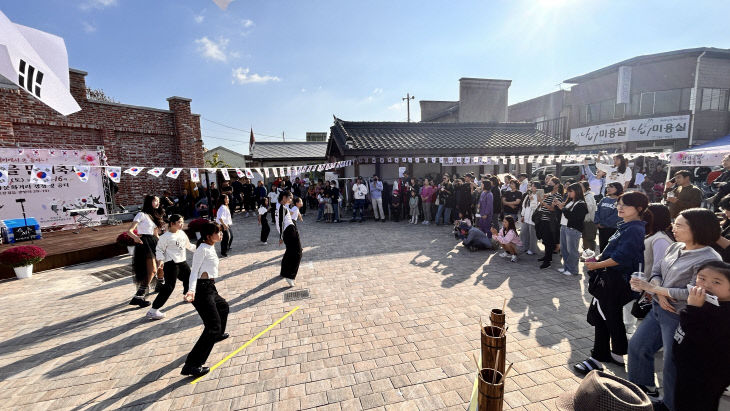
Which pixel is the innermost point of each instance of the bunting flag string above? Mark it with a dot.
(134, 170)
(174, 173)
(4, 180)
(194, 176)
(82, 172)
(157, 171)
(41, 174)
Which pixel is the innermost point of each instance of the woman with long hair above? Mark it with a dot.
(659, 237)
(528, 235)
(288, 235)
(211, 307)
(609, 284)
(172, 261)
(571, 227)
(148, 224)
(618, 173)
(223, 218)
(263, 222)
(547, 226)
(607, 218)
(695, 229)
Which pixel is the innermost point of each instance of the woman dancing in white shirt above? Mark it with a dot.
(213, 309)
(288, 235)
(148, 223)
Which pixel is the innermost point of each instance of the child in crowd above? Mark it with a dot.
(321, 204)
(328, 210)
(263, 222)
(413, 205)
(508, 238)
(395, 206)
(703, 366)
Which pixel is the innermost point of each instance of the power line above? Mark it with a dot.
(239, 129)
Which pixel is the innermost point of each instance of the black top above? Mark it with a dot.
(247, 189)
(497, 201)
(512, 196)
(463, 196)
(576, 214)
(237, 186)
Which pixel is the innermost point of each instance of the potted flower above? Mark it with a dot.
(126, 240)
(22, 258)
(196, 225)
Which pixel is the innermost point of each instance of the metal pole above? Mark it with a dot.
(408, 99)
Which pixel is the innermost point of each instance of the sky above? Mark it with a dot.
(289, 66)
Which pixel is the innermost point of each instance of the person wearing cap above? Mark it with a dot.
(376, 197)
(359, 191)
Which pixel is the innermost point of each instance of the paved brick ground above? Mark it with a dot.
(392, 322)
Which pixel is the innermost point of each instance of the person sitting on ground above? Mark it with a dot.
(475, 239)
(508, 238)
(703, 367)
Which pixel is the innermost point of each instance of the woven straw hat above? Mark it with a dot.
(600, 391)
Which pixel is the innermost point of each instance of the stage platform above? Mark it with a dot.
(65, 248)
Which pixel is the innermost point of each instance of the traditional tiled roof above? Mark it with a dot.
(289, 150)
(355, 138)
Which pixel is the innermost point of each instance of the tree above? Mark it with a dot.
(216, 162)
(99, 95)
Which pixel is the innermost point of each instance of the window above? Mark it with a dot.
(620, 110)
(686, 97)
(714, 99)
(635, 103)
(607, 109)
(647, 103)
(667, 101)
(593, 112)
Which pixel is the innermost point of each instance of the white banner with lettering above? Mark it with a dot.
(46, 202)
(657, 128)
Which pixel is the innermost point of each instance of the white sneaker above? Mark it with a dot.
(291, 282)
(503, 254)
(561, 270)
(427, 222)
(154, 314)
(265, 242)
(513, 259)
(528, 252)
(565, 272)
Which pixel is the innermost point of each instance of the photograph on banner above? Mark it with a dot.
(50, 203)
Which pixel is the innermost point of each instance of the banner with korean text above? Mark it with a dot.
(65, 190)
(644, 129)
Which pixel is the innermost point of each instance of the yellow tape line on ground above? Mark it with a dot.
(229, 356)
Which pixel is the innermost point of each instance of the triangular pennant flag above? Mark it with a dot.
(224, 171)
(41, 174)
(134, 170)
(467, 160)
(458, 160)
(157, 171)
(258, 170)
(433, 160)
(52, 153)
(114, 173)
(239, 173)
(485, 160)
(4, 179)
(266, 173)
(417, 159)
(520, 160)
(275, 171)
(530, 159)
(382, 160)
(194, 175)
(410, 159)
(249, 174)
(538, 160)
(174, 173)
(82, 172)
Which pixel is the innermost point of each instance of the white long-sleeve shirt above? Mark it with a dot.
(359, 191)
(287, 221)
(224, 215)
(612, 174)
(205, 260)
(172, 247)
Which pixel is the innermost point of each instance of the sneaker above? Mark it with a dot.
(427, 222)
(545, 264)
(266, 242)
(140, 301)
(291, 282)
(566, 272)
(561, 270)
(528, 252)
(503, 254)
(513, 259)
(155, 314)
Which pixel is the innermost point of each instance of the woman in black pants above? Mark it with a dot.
(548, 225)
(263, 222)
(288, 235)
(213, 309)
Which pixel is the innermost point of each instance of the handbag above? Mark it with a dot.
(609, 285)
(641, 306)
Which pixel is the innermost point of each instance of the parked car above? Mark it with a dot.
(567, 172)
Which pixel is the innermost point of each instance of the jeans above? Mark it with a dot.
(443, 214)
(213, 310)
(358, 206)
(528, 235)
(336, 209)
(569, 238)
(656, 331)
(320, 212)
(378, 213)
(426, 211)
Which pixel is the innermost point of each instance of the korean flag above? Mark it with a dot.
(174, 173)
(239, 173)
(82, 172)
(4, 180)
(133, 170)
(194, 175)
(249, 173)
(114, 173)
(224, 171)
(157, 171)
(37, 62)
(41, 174)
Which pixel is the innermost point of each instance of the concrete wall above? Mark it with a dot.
(549, 106)
(483, 100)
(430, 108)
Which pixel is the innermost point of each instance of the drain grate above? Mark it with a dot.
(296, 295)
(114, 273)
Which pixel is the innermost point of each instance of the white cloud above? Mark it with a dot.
(199, 19)
(241, 76)
(397, 106)
(88, 27)
(378, 91)
(213, 50)
(97, 4)
(247, 23)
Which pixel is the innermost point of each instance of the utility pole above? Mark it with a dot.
(282, 137)
(408, 99)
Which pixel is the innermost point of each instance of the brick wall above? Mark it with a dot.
(131, 135)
